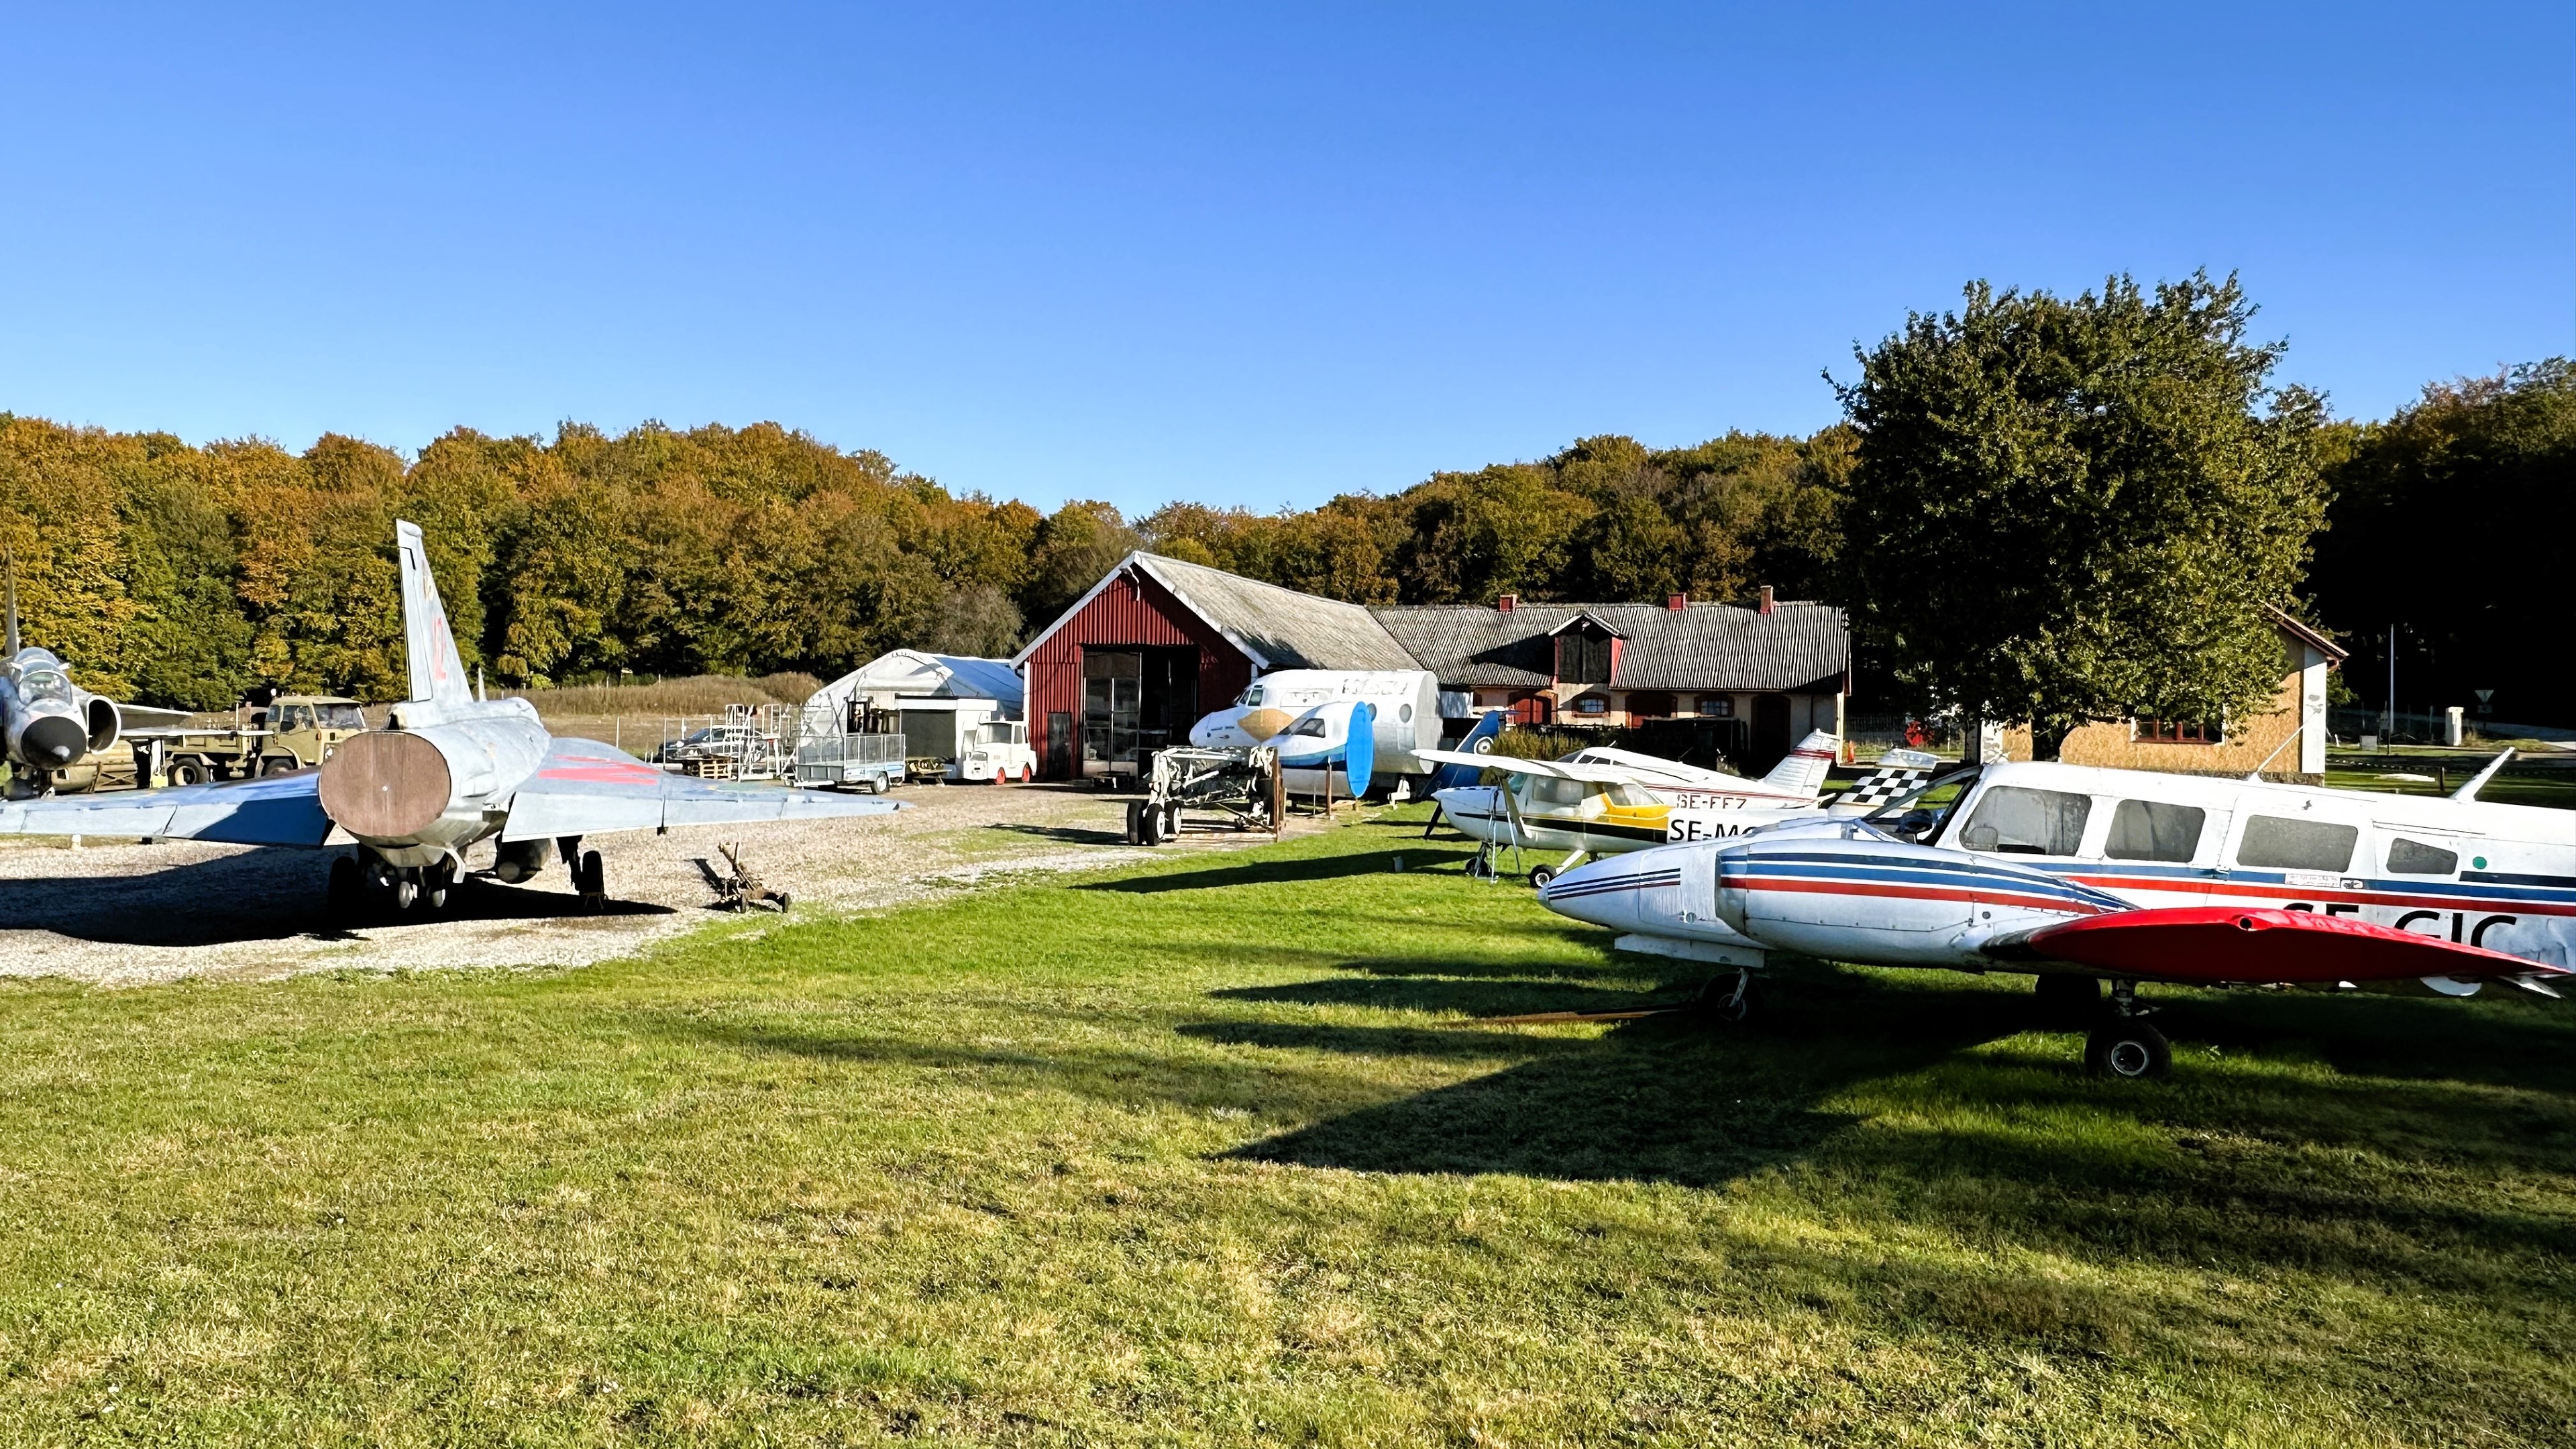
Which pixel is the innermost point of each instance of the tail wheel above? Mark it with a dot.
(2128, 1049)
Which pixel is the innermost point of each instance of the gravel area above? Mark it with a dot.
(119, 913)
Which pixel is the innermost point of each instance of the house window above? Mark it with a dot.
(1592, 704)
(1717, 706)
(2180, 732)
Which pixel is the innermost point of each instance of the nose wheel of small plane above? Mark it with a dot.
(1729, 1002)
(1540, 876)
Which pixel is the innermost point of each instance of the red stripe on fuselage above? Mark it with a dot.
(2058, 904)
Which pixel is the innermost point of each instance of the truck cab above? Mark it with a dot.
(305, 729)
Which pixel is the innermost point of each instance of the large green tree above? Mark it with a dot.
(2070, 509)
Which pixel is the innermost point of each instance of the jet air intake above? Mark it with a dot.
(386, 785)
(50, 741)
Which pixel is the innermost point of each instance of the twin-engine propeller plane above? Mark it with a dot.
(447, 772)
(2078, 875)
(1602, 801)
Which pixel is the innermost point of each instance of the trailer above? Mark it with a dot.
(1243, 786)
(850, 761)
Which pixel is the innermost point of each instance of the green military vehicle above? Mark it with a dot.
(293, 732)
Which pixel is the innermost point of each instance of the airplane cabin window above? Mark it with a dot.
(2414, 857)
(2013, 820)
(2286, 844)
(2153, 830)
(1549, 790)
(1630, 795)
(1311, 729)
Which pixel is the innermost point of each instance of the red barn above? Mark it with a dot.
(1158, 643)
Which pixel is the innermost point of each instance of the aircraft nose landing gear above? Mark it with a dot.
(2124, 1046)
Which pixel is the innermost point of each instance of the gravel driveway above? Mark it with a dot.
(119, 913)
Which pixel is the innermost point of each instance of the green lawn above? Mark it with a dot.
(1200, 1153)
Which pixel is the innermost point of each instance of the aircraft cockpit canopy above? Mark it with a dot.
(45, 682)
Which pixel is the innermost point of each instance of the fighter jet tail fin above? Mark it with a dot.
(437, 673)
(1803, 771)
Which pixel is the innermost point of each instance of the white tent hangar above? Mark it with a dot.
(948, 704)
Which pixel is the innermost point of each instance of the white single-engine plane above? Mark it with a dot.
(1601, 801)
(2078, 875)
(448, 771)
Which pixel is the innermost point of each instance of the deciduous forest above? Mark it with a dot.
(183, 574)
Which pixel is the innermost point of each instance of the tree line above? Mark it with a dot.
(2039, 508)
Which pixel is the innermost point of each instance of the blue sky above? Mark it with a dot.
(1230, 254)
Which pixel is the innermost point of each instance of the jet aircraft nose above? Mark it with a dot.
(1609, 892)
(51, 741)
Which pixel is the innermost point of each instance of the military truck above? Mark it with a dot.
(291, 732)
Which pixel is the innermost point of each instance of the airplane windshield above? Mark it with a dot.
(1251, 698)
(1919, 814)
(44, 684)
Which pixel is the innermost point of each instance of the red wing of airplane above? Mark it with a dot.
(2221, 944)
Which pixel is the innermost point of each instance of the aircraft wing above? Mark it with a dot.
(2239, 944)
(277, 810)
(149, 717)
(585, 787)
(1558, 769)
(1593, 772)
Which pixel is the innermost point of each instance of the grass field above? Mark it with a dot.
(1203, 1152)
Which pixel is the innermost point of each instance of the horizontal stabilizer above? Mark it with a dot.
(2220, 944)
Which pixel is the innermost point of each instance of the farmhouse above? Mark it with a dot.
(1158, 643)
(1755, 678)
(2260, 741)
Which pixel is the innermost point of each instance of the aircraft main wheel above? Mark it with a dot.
(1541, 876)
(1734, 1005)
(2069, 1001)
(405, 892)
(2128, 1048)
(594, 876)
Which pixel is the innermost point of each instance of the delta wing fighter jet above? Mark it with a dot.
(448, 771)
(49, 721)
(2078, 875)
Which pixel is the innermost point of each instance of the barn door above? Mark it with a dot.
(1059, 737)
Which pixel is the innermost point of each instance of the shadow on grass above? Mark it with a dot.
(1066, 834)
(1684, 1098)
(1280, 872)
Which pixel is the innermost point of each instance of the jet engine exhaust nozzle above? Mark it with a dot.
(386, 785)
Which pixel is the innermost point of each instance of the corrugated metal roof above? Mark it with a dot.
(1280, 628)
(1706, 646)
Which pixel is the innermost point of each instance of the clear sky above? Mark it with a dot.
(1240, 255)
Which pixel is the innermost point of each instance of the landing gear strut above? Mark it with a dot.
(2124, 1046)
(589, 874)
(367, 884)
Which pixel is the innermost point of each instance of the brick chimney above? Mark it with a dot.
(1767, 607)
(1506, 603)
(1677, 602)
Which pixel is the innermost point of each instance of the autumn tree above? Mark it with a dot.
(2074, 509)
